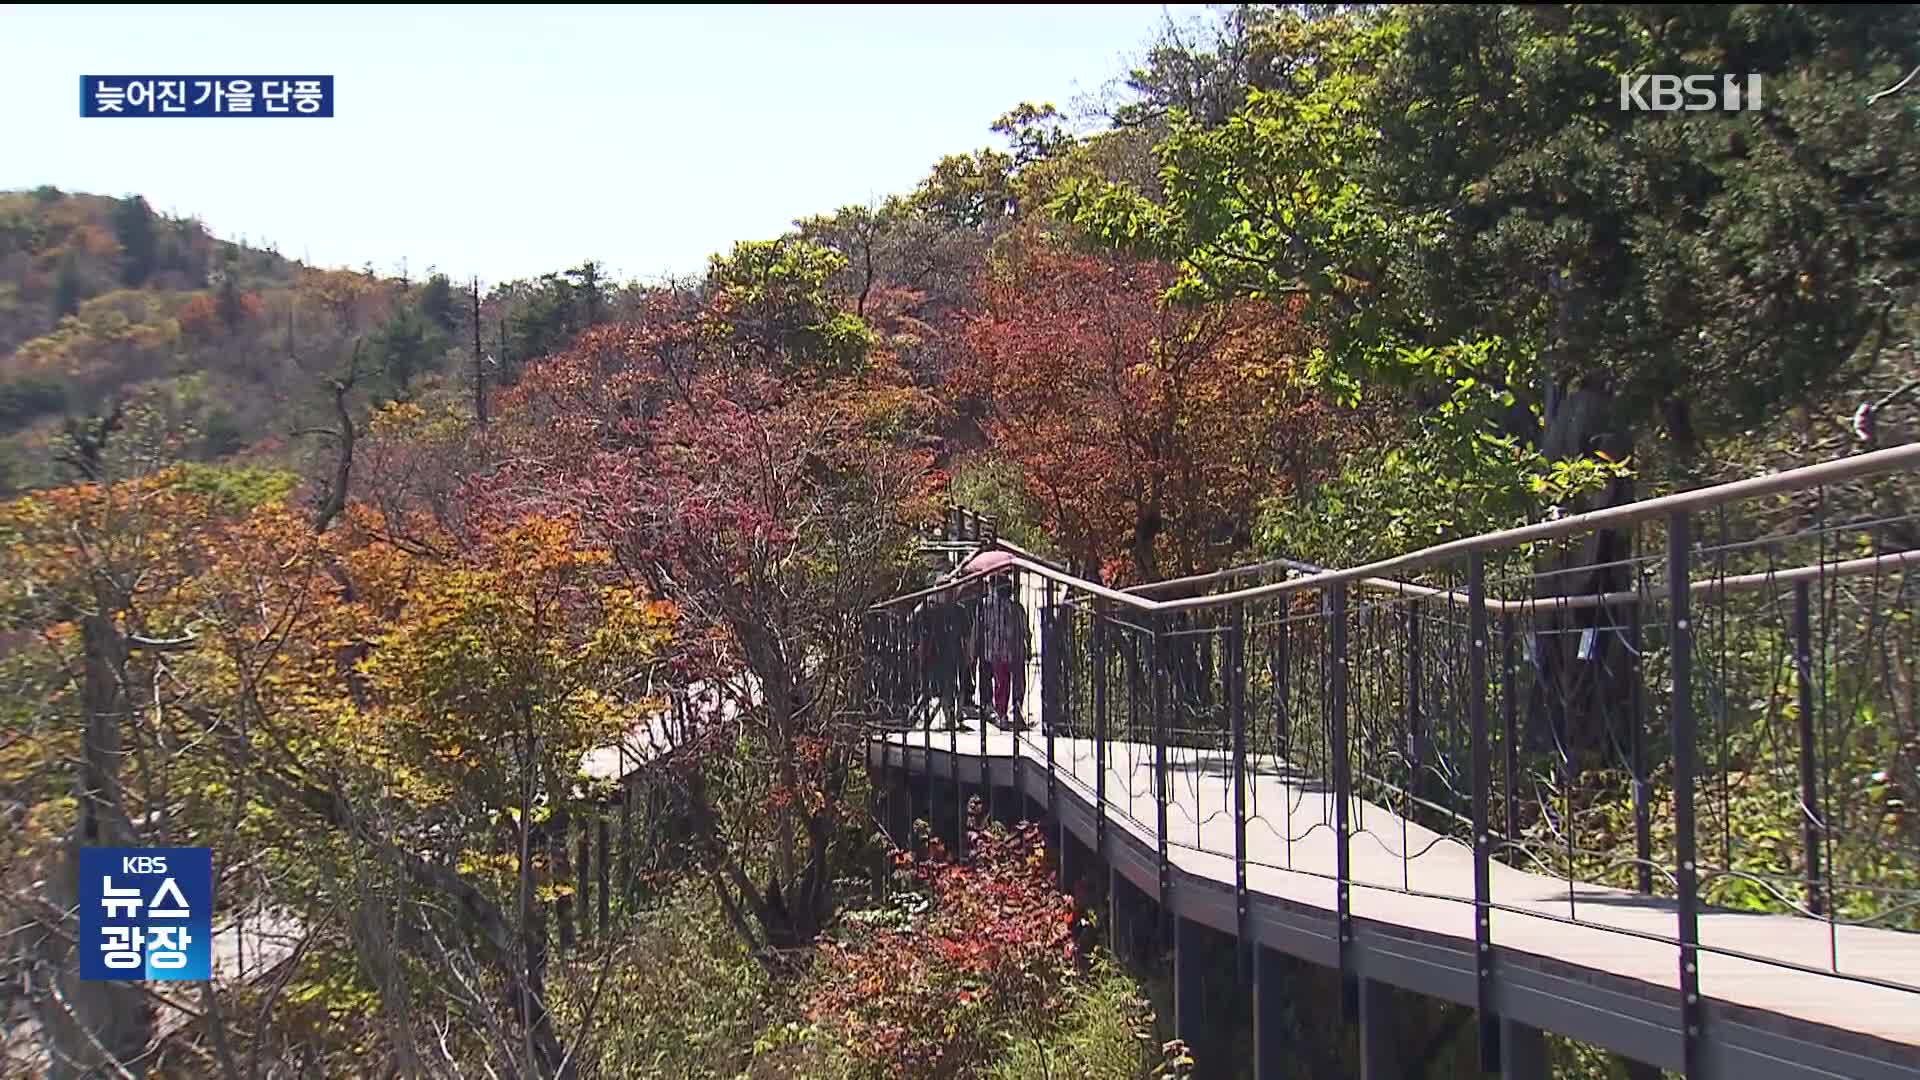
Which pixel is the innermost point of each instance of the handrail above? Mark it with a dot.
(1580, 601)
(945, 586)
(1230, 572)
(1373, 574)
(1037, 569)
(1826, 472)
(1012, 548)
(1571, 602)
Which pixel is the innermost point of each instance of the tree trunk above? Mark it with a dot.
(371, 929)
(1146, 529)
(1576, 705)
(103, 1027)
(562, 873)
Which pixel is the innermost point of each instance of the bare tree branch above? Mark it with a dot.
(1895, 88)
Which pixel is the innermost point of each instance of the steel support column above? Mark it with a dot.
(1379, 1049)
(1272, 1054)
(1523, 1053)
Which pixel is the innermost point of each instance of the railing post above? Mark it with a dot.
(942, 699)
(1415, 737)
(1282, 722)
(1510, 723)
(1637, 743)
(1014, 767)
(1237, 707)
(1282, 718)
(953, 763)
(1100, 672)
(1050, 661)
(1680, 636)
(1482, 834)
(1342, 797)
(1160, 665)
(986, 784)
(1810, 823)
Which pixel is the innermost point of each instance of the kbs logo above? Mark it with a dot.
(1663, 93)
(146, 914)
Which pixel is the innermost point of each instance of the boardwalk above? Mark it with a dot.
(1623, 935)
(1353, 766)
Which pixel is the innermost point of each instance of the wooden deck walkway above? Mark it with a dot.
(1808, 1022)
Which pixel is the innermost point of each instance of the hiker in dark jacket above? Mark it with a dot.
(943, 628)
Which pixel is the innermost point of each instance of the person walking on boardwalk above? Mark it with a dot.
(1002, 638)
(943, 628)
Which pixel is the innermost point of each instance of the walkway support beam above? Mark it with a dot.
(1379, 1049)
(1189, 970)
(1271, 1055)
(1523, 1052)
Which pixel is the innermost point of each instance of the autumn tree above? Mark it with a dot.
(1199, 70)
(1470, 214)
(746, 459)
(773, 309)
(96, 577)
(589, 292)
(1551, 280)
(133, 226)
(437, 303)
(407, 347)
(379, 743)
(1141, 426)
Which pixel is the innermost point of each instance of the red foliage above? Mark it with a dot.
(1143, 428)
(773, 509)
(931, 1000)
(202, 320)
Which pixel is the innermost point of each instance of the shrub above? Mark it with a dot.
(683, 999)
(23, 398)
(984, 954)
(1105, 1032)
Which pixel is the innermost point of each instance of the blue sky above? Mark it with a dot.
(507, 141)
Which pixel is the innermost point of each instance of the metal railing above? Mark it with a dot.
(1709, 701)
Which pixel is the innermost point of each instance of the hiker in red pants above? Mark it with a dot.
(1002, 637)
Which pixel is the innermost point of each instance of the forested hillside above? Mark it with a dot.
(343, 573)
(217, 351)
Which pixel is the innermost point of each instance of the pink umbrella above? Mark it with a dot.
(985, 561)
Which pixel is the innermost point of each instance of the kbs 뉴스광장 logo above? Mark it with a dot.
(146, 913)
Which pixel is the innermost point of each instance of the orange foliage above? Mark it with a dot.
(200, 318)
(1142, 428)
